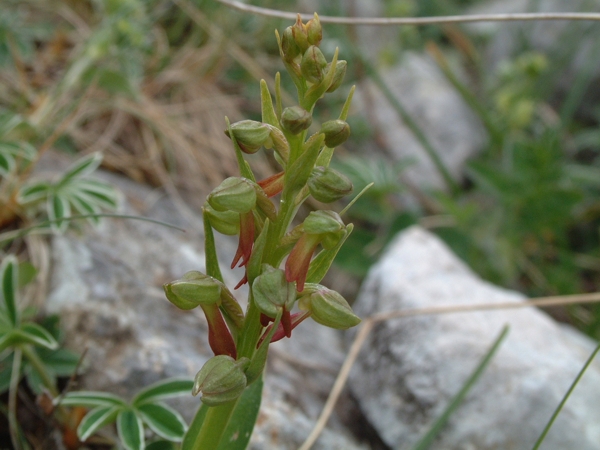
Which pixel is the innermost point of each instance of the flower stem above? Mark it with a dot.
(214, 426)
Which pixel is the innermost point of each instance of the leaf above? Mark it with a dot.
(96, 419)
(9, 276)
(63, 362)
(131, 430)
(163, 420)
(33, 192)
(210, 250)
(322, 262)
(35, 381)
(32, 333)
(82, 167)
(95, 192)
(58, 208)
(238, 431)
(83, 206)
(266, 102)
(169, 388)
(7, 164)
(91, 399)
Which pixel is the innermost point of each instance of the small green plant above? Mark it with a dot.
(26, 348)
(146, 409)
(242, 206)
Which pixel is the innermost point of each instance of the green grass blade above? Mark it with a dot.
(565, 398)
(437, 426)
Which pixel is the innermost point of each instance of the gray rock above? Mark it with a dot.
(412, 367)
(107, 288)
(451, 127)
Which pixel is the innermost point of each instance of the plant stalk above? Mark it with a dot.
(214, 426)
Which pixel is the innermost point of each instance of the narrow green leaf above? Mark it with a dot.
(347, 103)
(32, 333)
(97, 192)
(210, 250)
(131, 430)
(33, 192)
(9, 275)
(163, 420)
(82, 167)
(297, 175)
(565, 398)
(96, 419)
(91, 399)
(58, 208)
(266, 102)
(437, 426)
(278, 102)
(322, 262)
(195, 427)
(35, 381)
(7, 164)
(238, 431)
(63, 362)
(169, 388)
(83, 206)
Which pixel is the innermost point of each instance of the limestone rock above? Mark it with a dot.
(412, 367)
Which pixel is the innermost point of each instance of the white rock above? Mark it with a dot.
(412, 367)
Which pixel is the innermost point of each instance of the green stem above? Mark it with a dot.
(39, 366)
(214, 425)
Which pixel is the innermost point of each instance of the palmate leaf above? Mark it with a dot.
(130, 429)
(9, 277)
(96, 419)
(169, 388)
(163, 420)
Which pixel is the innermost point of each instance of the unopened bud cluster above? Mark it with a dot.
(282, 264)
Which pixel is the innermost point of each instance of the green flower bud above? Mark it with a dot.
(336, 132)
(272, 292)
(313, 64)
(193, 289)
(300, 34)
(314, 31)
(289, 47)
(338, 76)
(250, 134)
(225, 222)
(295, 119)
(221, 380)
(233, 194)
(328, 185)
(323, 222)
(328, 307)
